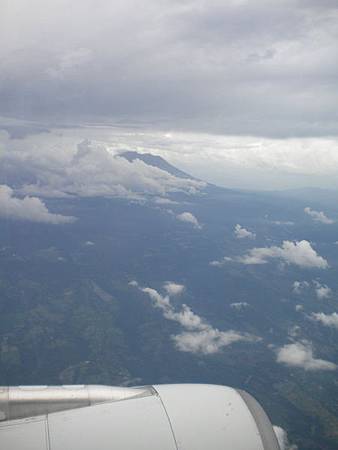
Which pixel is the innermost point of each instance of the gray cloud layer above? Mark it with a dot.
(59, 167)
(232, 161)
(240, 67)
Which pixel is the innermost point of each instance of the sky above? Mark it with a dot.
(248, 86)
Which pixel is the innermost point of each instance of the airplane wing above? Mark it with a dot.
(159, 417)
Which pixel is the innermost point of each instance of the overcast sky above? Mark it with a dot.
(246, 69)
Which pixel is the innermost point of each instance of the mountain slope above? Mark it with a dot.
(155, 161)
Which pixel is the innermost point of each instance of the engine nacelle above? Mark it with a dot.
(160, 417)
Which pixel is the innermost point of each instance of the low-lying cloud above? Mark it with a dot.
(28, 208)
(173, 288)
(329, 320)
(198, 336)
(221, 262)
(239, 305)
(318, 216)
(189, 218)
(283, 222)
(300, 355)
(243, 233)
(299, 253)
(62, 167)
(299, 286)
(233, 161)
(322, 291)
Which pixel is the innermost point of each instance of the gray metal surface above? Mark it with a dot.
(161, 417)
(263, 423)
(27, 401)
(135, 424)
(209, 417)
(29, 434)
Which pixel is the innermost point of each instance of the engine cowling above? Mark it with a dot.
(159, 417)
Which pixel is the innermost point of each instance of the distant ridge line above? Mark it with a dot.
(155, 161)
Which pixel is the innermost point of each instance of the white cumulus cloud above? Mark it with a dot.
(197, 335)
(221, 262)
(322, 290)
(242, 233)
(173, 288)
(318, 216)
(300, 354)
(239, 305)
(329, 320)
(28, 208)
(89, 243)
(294, 331)
(164, 201)
(189, 218)
(299, 286)
(299, 253)
(207, 341)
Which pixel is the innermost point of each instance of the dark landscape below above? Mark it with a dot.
(69, 315)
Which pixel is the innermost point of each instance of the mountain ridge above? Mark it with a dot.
(155, 161)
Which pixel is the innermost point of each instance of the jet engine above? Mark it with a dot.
(159, 417)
